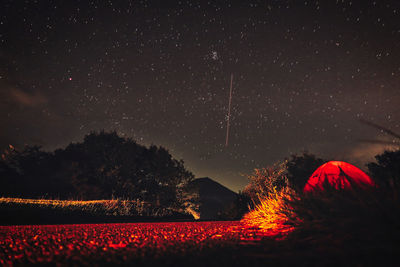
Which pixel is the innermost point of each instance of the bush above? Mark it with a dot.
(269, 190)
(272, 213)
(300, 168)
(266, 181)
(386, 171)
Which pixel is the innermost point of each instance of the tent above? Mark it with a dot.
(338, 174)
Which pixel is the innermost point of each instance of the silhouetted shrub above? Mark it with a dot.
(264, 181)
(300, 168)
(386, 171)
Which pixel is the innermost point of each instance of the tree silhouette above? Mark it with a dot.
(300, 168)
(103, 166)
(386, 171)
(25, 173)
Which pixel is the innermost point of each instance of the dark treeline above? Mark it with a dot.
(103, 166)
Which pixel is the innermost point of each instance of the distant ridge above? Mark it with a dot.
(214, 198)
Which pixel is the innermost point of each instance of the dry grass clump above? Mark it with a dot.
(346, 209)
(272, 214)
(351, 227)
(106, 207)
(271, 194)
(44, 211)
(266, 181)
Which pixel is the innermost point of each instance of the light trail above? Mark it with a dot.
(229, 113)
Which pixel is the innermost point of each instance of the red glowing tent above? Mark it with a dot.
(338, 174)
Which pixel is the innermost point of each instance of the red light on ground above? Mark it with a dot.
(118, 243)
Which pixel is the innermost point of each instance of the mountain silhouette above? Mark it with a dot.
(214, 198)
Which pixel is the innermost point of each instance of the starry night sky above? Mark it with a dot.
(305, 73)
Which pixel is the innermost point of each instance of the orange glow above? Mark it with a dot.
(338, 174)
(272, 214)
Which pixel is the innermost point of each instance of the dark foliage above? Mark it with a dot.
(300, 168)
(356, 227)
(103, 166)
(386, 171)
(237, 209)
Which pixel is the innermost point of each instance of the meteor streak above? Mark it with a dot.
(229, 114)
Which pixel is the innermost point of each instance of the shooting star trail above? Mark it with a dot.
(229, 114)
